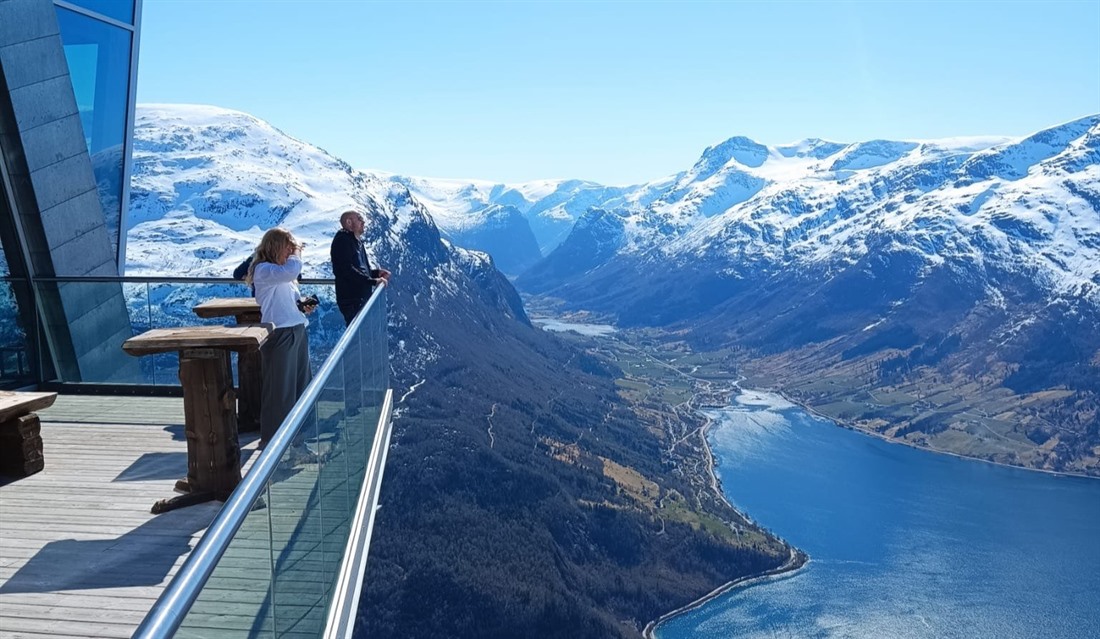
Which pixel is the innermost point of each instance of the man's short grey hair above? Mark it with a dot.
(347, 215)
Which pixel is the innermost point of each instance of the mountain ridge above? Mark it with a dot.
(851, 261)
(508, 506)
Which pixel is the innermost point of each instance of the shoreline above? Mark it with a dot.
(938, 451)
(796, 559)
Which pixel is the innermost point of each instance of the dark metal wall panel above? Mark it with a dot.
(33, 61)
(58, 210)
(22, 20)
(42, 102)
(78, 262)
(53, 142)
(66, 218)
(60, 181)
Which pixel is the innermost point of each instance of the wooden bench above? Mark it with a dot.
(21, 432)
(246, 311)
(209, 403)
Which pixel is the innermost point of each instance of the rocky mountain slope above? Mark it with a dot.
(958, 278)
(510, 504)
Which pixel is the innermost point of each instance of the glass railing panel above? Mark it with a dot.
(16, 350)
(170, 304)
(82, 316)
(326, 325)
(236, 600)
(301, 522)
(144, 304)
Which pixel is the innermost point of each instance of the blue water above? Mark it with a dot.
(558, 326)
(903, 543)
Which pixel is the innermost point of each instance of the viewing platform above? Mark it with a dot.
(281, 554)
(80, 553)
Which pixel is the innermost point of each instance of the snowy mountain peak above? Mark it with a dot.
(1014, 160)
(866, 155)
(815, 148)
(741, 149)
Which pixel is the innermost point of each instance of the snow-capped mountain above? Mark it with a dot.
(505, 234)
(550, 207)
(1026, 205)
(479, 216)
(880, 250)
(482, 398)
(207, 182)
(973, 256)
(805, 195)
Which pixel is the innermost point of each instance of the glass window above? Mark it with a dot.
(15, 357)
(121, 10)
(15, 353)
(99, 65)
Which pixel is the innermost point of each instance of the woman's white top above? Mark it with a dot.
(277, 292)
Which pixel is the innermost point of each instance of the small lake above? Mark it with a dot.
(592, 330)
(903, 543)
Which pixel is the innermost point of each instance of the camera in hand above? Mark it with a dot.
(308, 302)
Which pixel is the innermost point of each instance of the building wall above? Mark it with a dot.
(56, 226)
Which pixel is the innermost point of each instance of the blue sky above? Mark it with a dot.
(618, 92)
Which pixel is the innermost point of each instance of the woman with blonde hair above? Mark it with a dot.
(274, 272)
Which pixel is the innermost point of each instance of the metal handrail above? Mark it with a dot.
(107, 279)
(349, 586)
(166, 615)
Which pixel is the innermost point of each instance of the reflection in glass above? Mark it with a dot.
(98, 55)
(14, 354)
(171, 303)
(167, 305)
(121, 10)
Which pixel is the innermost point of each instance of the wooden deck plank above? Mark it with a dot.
(80, 553)
(77, 541)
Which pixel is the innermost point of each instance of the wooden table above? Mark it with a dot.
(209, 403)
(246, 310)
(21, 432)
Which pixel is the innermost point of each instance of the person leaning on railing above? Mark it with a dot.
(355, 279)
(273, 273)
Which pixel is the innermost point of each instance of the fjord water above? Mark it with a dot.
(903, 542)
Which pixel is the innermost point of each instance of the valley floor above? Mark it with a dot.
(954, 414)
(663, 391)
(669, 383)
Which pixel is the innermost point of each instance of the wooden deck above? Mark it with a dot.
(80, 553)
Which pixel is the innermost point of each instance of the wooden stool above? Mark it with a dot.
(21, 432)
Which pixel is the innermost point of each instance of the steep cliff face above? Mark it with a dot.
(503, 233)
(499, 512)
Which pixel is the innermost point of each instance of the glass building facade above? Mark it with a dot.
(67, 91)
(99, 38)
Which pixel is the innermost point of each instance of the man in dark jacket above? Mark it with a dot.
(241, 271)
(355, 279)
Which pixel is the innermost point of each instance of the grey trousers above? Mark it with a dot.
(286, 371)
